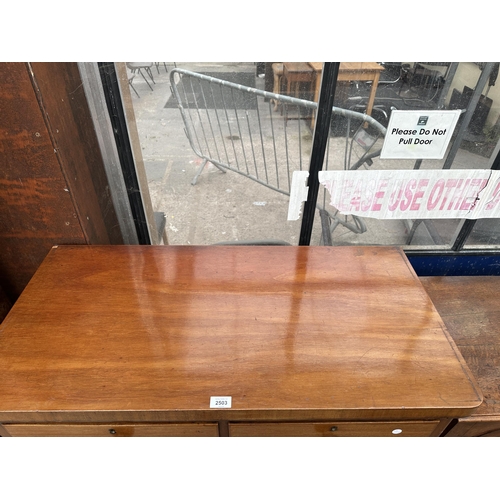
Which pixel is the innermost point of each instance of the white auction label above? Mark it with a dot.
(423, 134)
(220, 401)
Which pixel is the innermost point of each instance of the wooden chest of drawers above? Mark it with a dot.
(306, 341)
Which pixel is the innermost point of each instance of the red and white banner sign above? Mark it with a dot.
(415, 194)
(406, 194)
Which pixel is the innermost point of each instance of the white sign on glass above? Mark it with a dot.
(423, 134)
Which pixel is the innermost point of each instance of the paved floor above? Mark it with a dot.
(228, 206)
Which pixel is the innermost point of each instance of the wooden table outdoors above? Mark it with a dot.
(307, 341)
(351, 72)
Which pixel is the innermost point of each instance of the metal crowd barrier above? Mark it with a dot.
(266, 136)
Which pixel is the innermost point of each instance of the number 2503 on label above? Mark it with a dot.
(220, 401)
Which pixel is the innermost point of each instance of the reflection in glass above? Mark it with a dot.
(205, 202)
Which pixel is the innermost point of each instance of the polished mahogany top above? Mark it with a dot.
(152, 332)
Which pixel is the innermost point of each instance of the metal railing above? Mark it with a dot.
(266, 136)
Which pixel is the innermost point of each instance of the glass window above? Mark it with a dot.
(220, 142)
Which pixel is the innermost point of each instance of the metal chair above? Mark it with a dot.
(130, 80)
(157, 64)
(139, 66)
(427, 79)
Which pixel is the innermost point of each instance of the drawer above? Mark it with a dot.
(113, 430)
(333, 429)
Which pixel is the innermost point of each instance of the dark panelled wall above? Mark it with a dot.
(53, 187)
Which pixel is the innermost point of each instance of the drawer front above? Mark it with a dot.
(333, 429)
(477, 427)
(113, 430)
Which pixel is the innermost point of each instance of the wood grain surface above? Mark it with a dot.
(470, 308)
(63, 102)
(114, 430)
(131, 333)
(36, 207)
(333, 429)
(53, 185)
